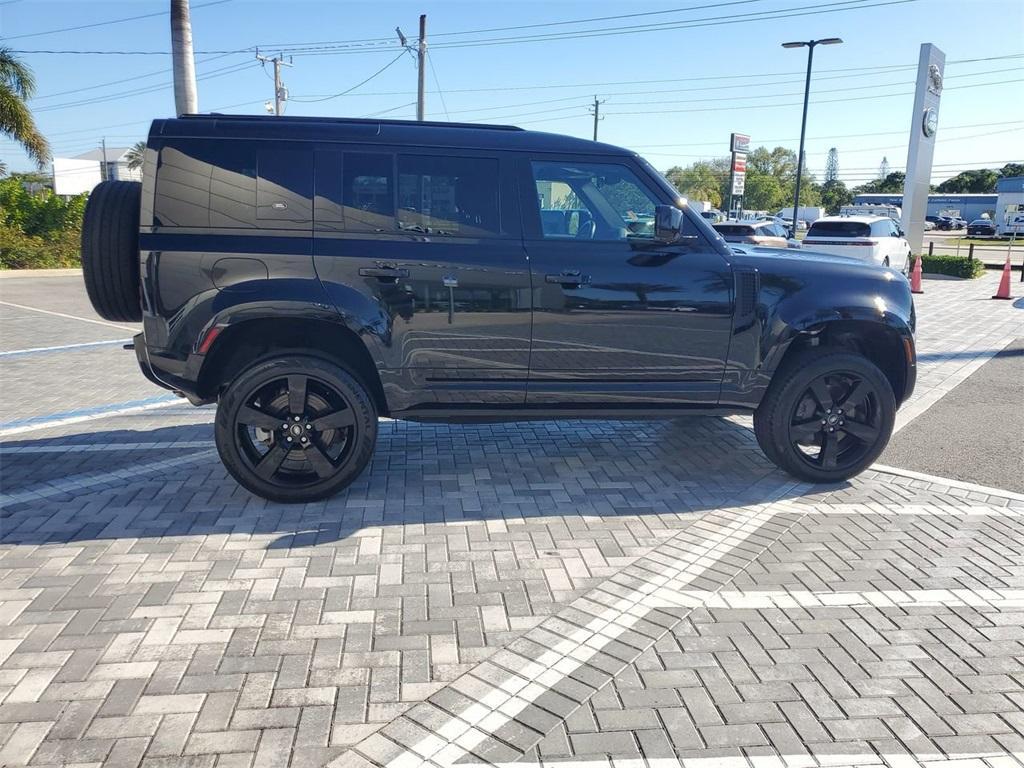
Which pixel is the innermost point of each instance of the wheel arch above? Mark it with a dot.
(882, 344)
(241, 344)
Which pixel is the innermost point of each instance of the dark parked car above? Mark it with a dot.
(941, 222)
(311, 274)
(983, 227)
(766, 233)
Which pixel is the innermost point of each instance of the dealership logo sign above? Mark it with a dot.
(930, 122)
(934, 79)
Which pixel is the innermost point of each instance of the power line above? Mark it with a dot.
(312, 100)
(107, 23)
(220, 72)
(354, 47)
(437, 83)
(120, 81)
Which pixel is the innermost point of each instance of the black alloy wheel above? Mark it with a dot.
(835, 422)
(296, 429)
(827, 415)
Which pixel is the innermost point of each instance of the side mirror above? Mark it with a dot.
(901, 233)
(668, 221)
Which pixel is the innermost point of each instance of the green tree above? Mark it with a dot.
(977, 181)
(16, 87)
(700, 181)
(892, 184)
(136, 156)
(1011, 169)
(763, 192)
(834, 195)
(3, 169)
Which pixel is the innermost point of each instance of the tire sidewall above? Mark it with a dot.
(263, 372)
(790, 384)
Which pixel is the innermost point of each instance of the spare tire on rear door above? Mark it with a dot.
(110, 250)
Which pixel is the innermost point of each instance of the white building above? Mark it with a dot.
(75, 175)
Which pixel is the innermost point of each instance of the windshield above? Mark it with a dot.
(839, 229)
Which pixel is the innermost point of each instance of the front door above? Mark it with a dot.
(426, 246)
(618, 318)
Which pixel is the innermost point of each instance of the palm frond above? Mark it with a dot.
(16, 75)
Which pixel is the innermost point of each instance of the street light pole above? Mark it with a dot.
(809, 44)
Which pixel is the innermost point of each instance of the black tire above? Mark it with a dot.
(319, 460)
(110, 250)
(788, 422)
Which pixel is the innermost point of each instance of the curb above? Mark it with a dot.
(973, 487)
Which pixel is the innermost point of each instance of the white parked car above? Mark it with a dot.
(877, 239)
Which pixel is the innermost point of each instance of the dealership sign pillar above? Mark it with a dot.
(923, 126)
(739, 145)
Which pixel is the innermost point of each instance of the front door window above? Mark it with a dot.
(592, 201)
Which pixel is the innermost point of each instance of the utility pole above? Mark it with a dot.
(421, 58)
(186, 102)
(596, 112)
(106, 174)
(280, 92)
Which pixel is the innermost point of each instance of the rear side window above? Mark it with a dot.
(839, 229)
(232, 184)
(448, 195)
(382, 192)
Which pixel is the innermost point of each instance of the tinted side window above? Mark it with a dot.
(592, 201)
(453, 196)
(284, 189)
(368, 192)
(231, 184)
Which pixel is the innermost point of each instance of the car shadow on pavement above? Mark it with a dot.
(170, 482)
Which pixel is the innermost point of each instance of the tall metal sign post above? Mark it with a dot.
(739, 146)
(924, 124)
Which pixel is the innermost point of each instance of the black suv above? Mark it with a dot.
(311, 274)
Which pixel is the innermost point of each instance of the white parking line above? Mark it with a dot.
(62, 348)
(810, 759)
(69, 317)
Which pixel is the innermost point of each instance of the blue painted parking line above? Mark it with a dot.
(62, 348)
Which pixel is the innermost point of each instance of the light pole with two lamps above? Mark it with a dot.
(809, 44)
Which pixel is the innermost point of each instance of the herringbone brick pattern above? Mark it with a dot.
(153, 613)
(880, 671)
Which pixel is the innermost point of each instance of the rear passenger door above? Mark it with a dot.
(425, 248)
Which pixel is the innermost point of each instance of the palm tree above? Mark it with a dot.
(3, 169)
(136, 155)
(16, 87)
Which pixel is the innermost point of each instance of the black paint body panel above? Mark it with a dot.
(240, 221)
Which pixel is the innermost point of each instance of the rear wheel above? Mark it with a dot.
(827, 415)
(296, 429)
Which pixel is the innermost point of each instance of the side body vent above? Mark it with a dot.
(748, 286)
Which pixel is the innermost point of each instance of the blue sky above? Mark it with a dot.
(674, 94)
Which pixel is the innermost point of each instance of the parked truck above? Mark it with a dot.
(808, 213)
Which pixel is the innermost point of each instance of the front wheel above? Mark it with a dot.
(295, 429)
(827, 416)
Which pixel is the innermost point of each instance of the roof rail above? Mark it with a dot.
(353, 120)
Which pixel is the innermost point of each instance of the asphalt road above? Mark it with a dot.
(976, 432)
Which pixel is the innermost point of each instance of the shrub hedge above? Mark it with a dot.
(38, 231)
(955, 266)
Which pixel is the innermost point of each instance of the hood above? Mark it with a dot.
(759, 256)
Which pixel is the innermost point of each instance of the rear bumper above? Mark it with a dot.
(167, 372)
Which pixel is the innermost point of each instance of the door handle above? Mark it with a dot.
(571, 278)
(384, 273)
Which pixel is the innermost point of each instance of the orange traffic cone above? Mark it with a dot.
(1004, 283)
(915, 277)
